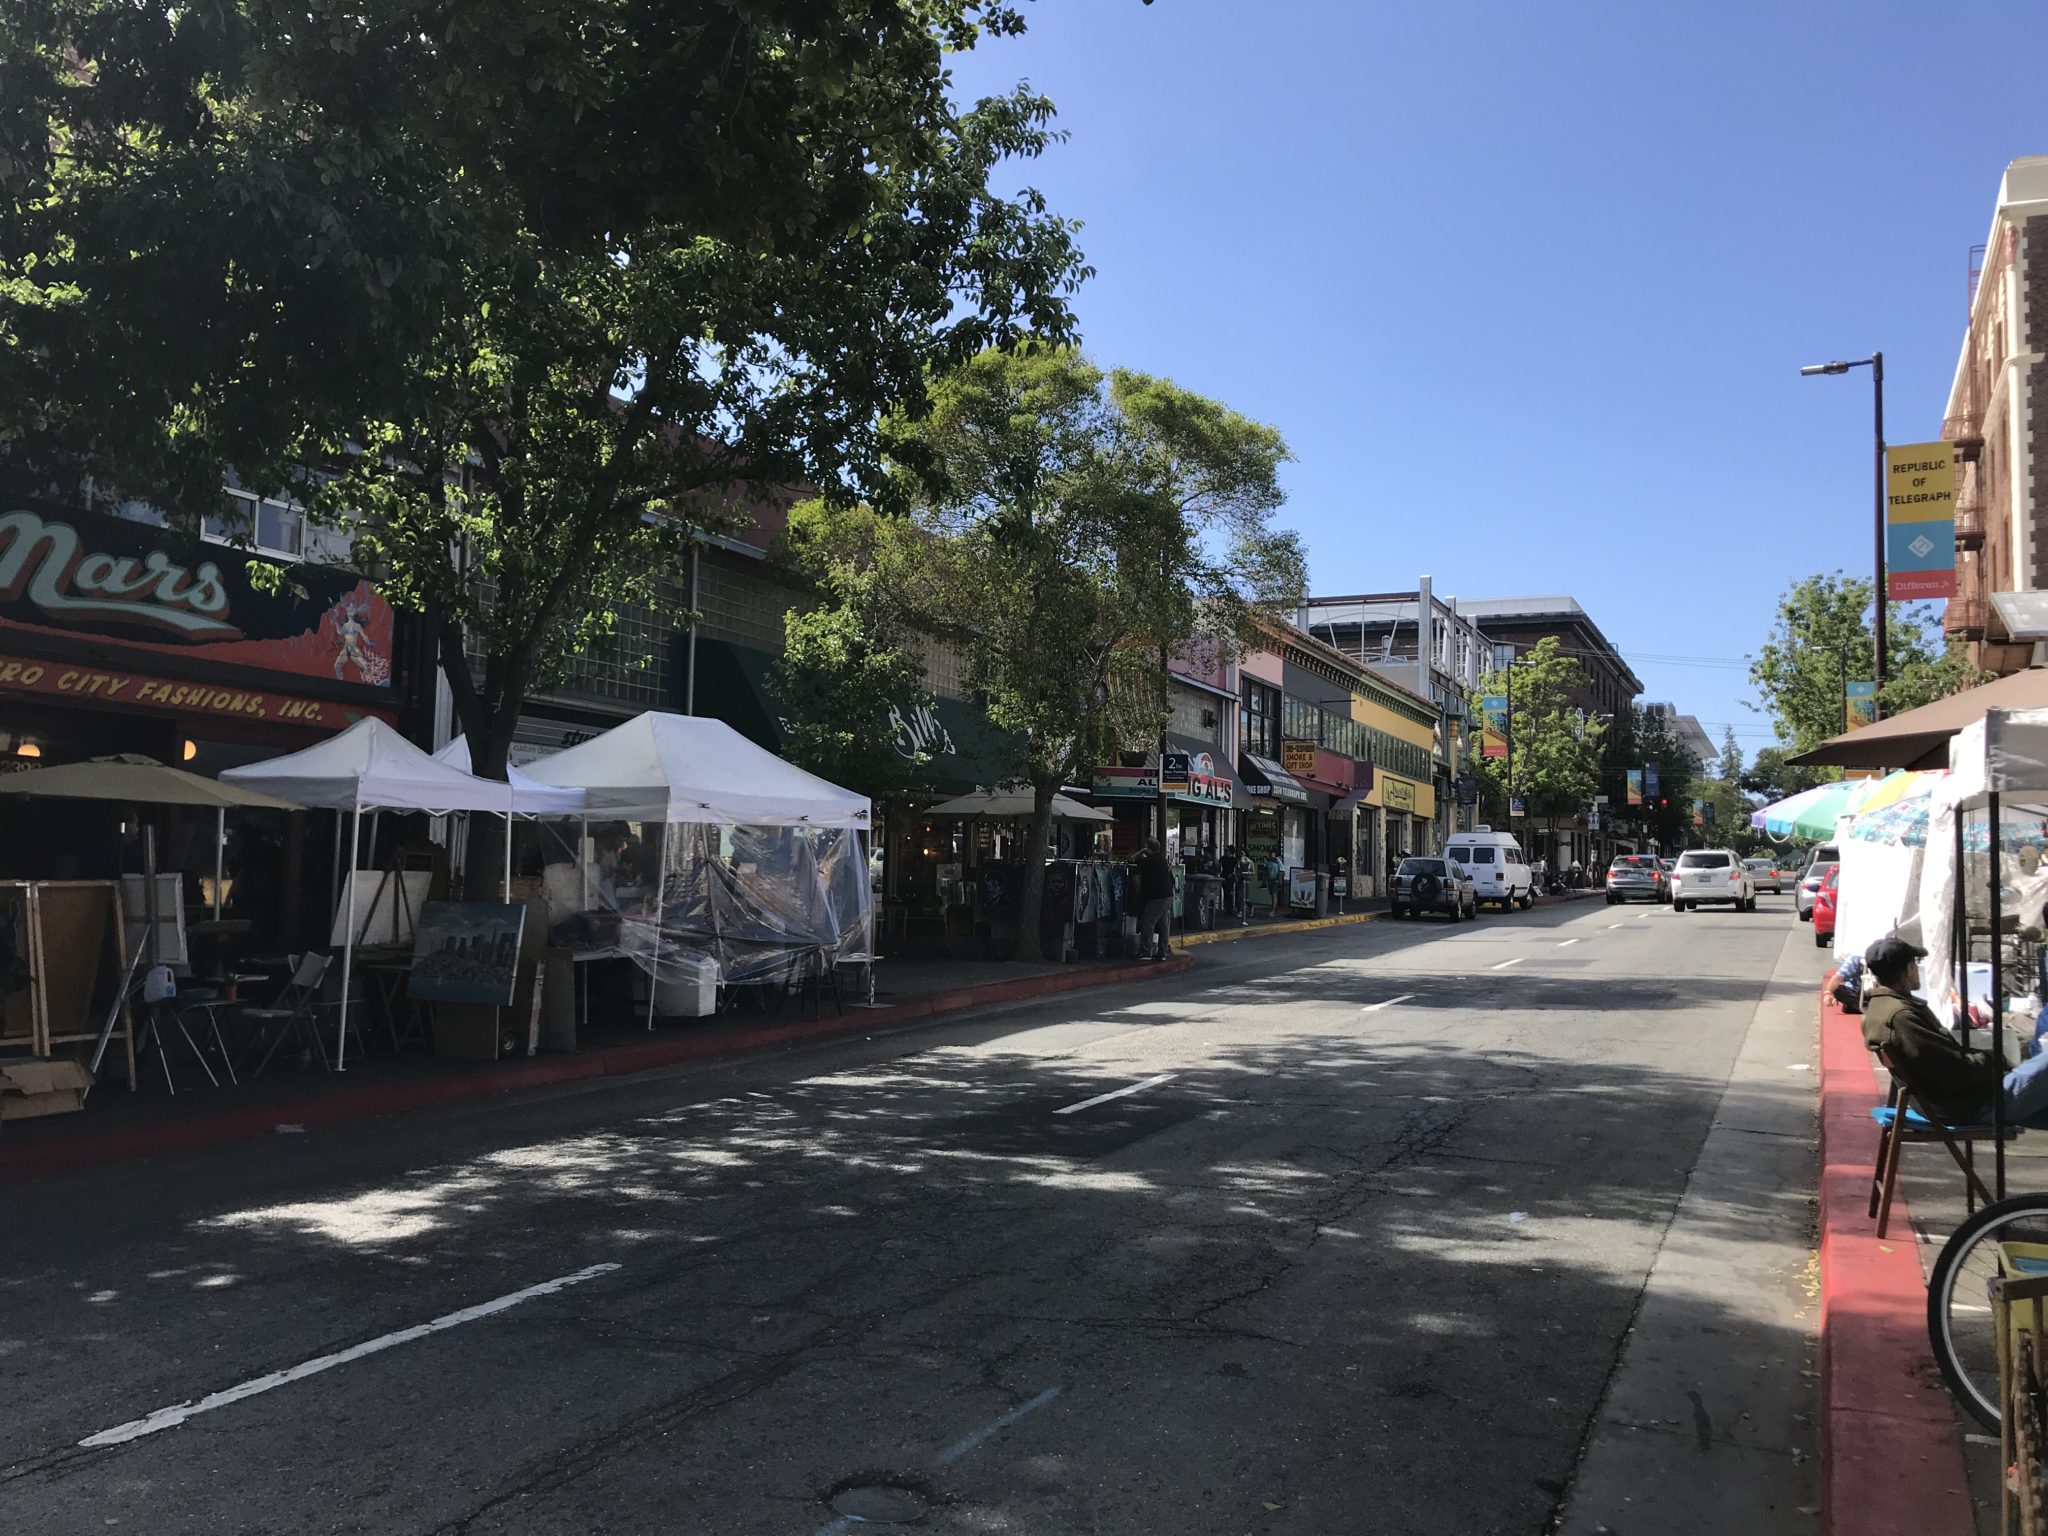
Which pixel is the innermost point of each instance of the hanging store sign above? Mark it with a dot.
(1125, 783)
(137, 690)
(1920, 520)
(1396, 794)
(1298, 758)
(137, 585)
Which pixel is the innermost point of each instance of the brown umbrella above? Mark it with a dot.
(1919, 738)
(136, 780)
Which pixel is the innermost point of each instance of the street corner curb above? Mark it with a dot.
(1891, 1452)
(37, 1159)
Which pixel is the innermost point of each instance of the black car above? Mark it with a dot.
(1434, 885)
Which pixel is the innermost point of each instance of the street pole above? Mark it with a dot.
(1877, 396)
(1875, 363)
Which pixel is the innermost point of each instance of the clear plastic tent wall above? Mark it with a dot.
(689, 902)
(721, 862)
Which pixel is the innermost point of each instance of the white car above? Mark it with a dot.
(1711, 874)
(1826, 855)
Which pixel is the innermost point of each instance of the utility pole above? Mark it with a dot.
(1875, 363)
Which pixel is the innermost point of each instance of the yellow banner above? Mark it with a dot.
(1920, 482)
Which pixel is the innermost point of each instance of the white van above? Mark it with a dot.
(1499, 872)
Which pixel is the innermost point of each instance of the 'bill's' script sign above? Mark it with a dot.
(44, 562)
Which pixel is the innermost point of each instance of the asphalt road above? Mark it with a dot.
(1359, 1254)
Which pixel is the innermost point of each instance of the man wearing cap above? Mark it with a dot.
(1956, 1082)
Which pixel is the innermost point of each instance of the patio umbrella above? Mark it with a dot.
(131, 779)
(1015, 805)
(1813, 812)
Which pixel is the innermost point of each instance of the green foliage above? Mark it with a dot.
(1822, 640)
(1772, 778)
(850, 660)
(1067, 530)
(510, 277)
(1553, 760)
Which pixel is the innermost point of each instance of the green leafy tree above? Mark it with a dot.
(1554, 748)
(852, 658)
(1067, 530)
(1822, 640)
(518, 292)
(1771, 777)
(1731, 805)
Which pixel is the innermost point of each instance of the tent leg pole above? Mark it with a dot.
(583, 857)
(348, 952)
(1995, 831)
(220, 856)
(660, 887)
(508, 855)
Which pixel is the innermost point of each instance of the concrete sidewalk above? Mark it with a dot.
(1710, 1430)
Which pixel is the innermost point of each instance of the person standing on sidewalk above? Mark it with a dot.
(1155, 883)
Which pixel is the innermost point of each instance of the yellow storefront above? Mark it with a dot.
(1398, 814)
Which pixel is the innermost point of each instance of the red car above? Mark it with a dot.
(1824, 908)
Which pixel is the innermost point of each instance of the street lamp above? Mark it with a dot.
(1875, 363)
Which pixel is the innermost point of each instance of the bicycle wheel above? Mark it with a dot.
(1959, 1298)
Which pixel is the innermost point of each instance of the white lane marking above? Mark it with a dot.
(1376, 1007)
(1611, 927)
(1506, 963)
(170, 1418)
(1104, 1098)
(994, 1427)
(1568, 941)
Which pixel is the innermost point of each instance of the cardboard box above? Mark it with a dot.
(30, 1089)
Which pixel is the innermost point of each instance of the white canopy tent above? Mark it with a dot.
(369, 767)
(686, 770)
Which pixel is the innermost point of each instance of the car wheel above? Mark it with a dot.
(1805, 917)
(1611, 901)
(1820, 940)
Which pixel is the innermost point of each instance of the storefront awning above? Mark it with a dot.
(1266, 780)
(1193, 776)
(1361, 786)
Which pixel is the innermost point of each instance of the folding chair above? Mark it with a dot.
(1905, 1117)
(295, 1013)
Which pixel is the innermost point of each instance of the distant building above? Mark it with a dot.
(1997, 416)
(1689, 732)
(1385, 633)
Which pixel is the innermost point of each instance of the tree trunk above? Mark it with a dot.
(489, 716)
(1031, 896)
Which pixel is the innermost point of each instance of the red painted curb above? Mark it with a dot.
(1891, 1455)
(39, 1158)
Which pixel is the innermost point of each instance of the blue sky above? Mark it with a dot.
(1527, 287)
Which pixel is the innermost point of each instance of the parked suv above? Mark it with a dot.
(1634, 877)
(1825, 857)
(1434, 885)
(1711, 874)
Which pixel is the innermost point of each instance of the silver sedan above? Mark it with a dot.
(1764, 875)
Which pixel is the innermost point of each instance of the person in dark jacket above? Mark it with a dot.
(1955, 1081)
(1155, 883)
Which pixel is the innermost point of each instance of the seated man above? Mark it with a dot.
(1953, 1081)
